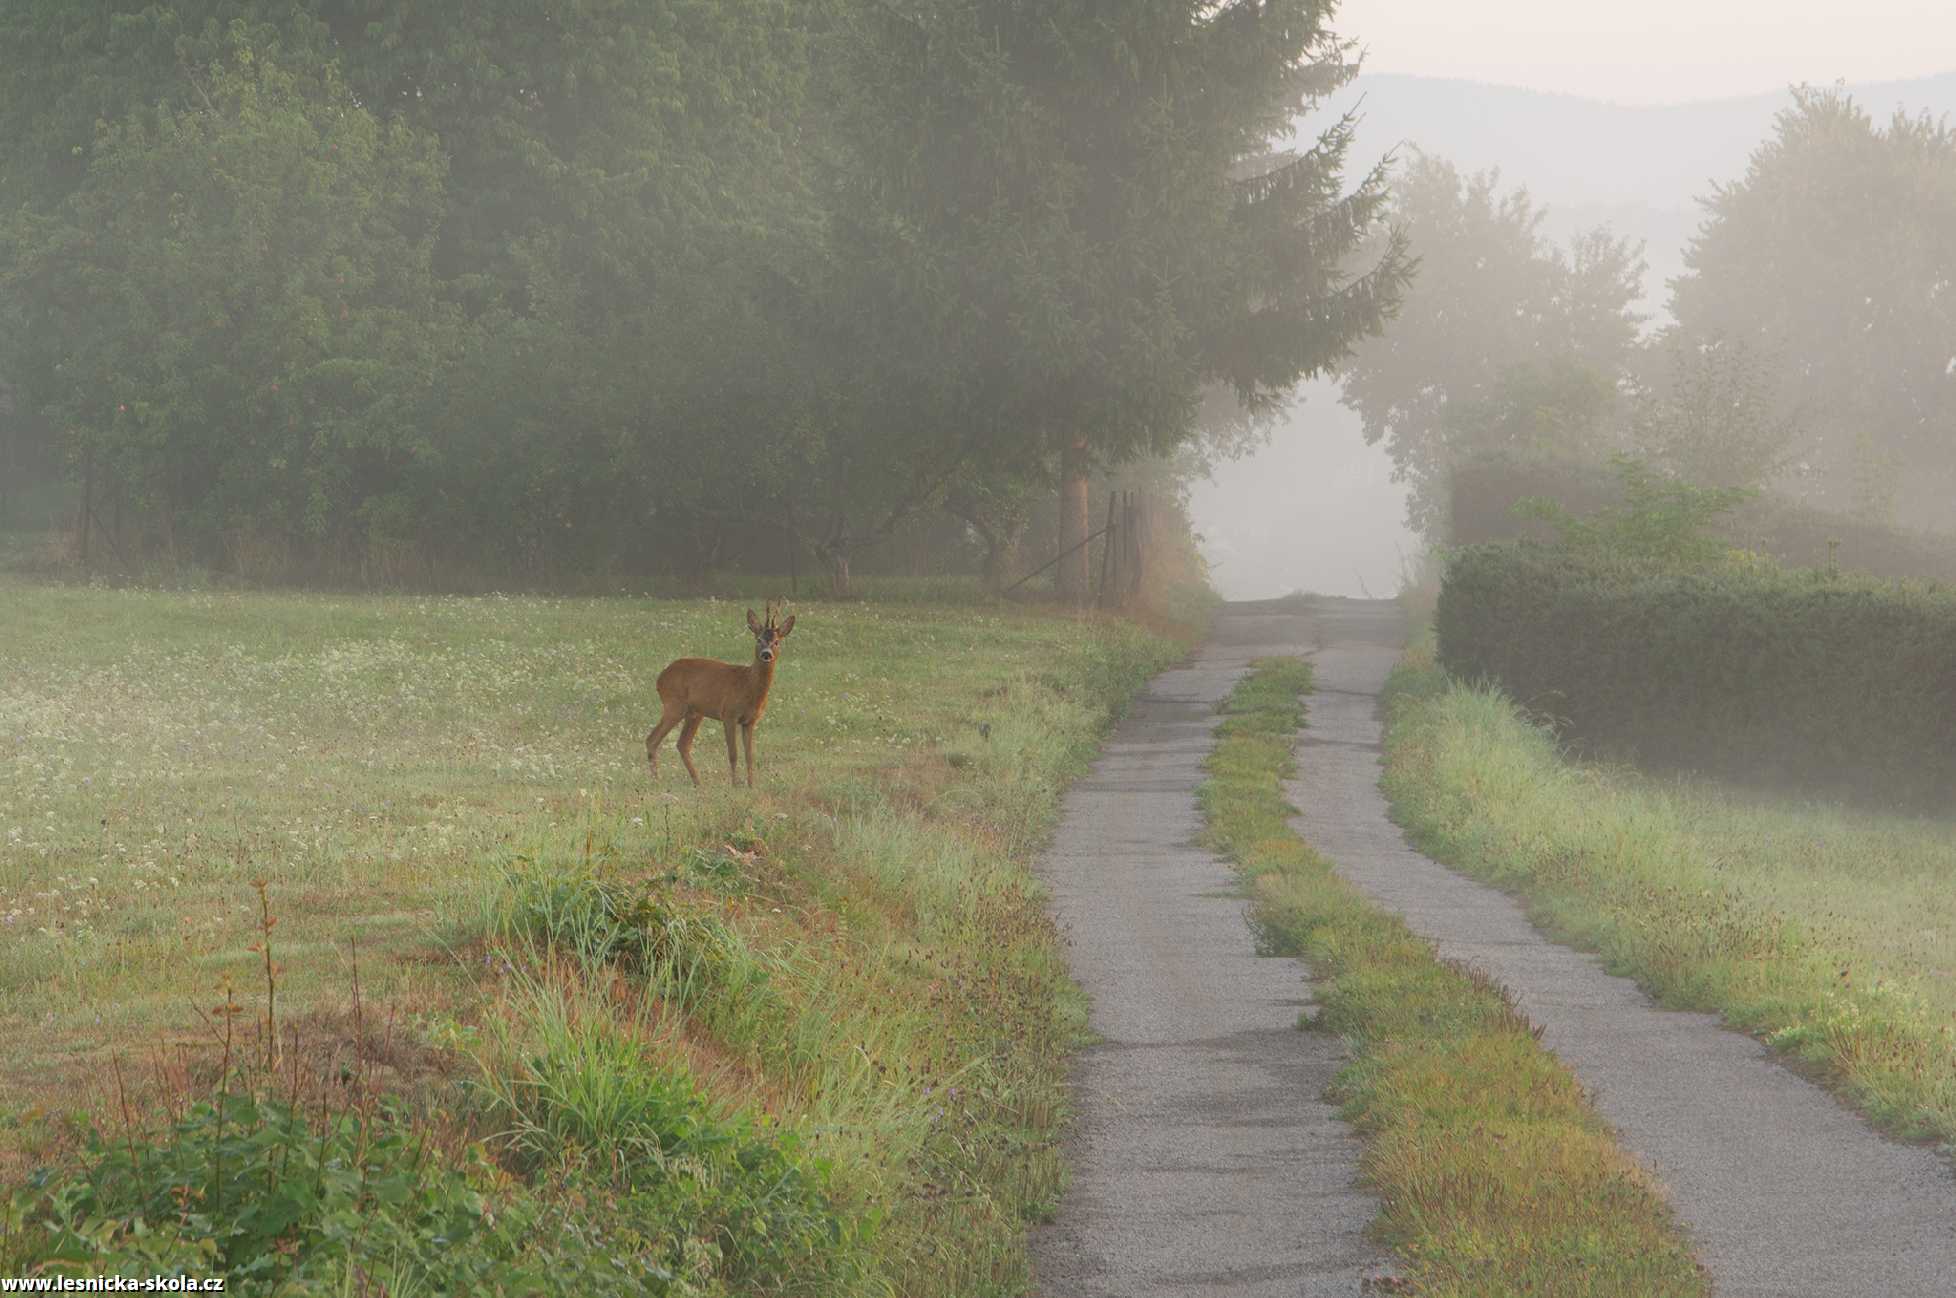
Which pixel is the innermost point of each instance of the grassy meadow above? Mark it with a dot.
(1495, 1176)
(1827, 931)
(843, 980)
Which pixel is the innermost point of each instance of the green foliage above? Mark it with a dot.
(1663, 523)
(574, 911)
(1484, 490)
(1554, 407)
(1837, 682)
(378, 291)
(232, 312)
(278, 1201)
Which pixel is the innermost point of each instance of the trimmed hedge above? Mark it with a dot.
(1482, 494)
(1835, 682)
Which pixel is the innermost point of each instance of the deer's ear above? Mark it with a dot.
(788, 626)
(753, 623)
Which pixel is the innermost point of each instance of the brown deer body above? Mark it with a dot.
(693, 689)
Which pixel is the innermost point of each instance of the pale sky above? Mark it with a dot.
(1655, 51)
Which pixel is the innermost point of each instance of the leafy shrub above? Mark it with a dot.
(1661, 523)
(1484, 491)
(1837, 682)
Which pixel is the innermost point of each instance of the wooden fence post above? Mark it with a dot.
(1132, 537)
(1107, 554)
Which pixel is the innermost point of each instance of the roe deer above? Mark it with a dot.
(693, 689)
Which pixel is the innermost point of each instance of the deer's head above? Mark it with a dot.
(768, 635)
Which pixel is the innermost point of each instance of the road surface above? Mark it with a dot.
(1205, 1160)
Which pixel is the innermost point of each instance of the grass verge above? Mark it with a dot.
(532, 1025)
(1496, 1177)
(1827, 931)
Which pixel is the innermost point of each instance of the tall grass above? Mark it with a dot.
(1829, 932)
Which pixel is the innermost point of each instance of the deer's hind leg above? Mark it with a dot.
(667, 720)
(686, 733)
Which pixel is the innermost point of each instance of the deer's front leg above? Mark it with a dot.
(747, 743)
(731, 726)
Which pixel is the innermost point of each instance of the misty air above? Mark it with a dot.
(1332, 628)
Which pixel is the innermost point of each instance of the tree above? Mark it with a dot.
(1503, 339)
(631, 283)
(1663, 523)
(1710, 412)
(1094, 209)
(1557, 407)
(610, 217)
(998, 507)
(633, 232)
(1837, 252)
(230, 312)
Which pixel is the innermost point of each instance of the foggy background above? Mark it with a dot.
(1677, 96)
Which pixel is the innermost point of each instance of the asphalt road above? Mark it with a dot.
(1204, 1158)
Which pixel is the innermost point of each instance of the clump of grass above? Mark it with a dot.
(576, 912)
(732, 1199)
(1827, 931)
(1495, 1176)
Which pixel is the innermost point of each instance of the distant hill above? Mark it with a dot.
(1572, 150)
(1637, 169)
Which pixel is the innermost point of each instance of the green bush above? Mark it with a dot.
(1836, 682)
(1484, 491)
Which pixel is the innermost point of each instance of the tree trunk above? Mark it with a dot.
(10, 479)
(1001, 559)
(839, 574)
(1074, 518)
(170, 516)
(87, 504)
(704, 553)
